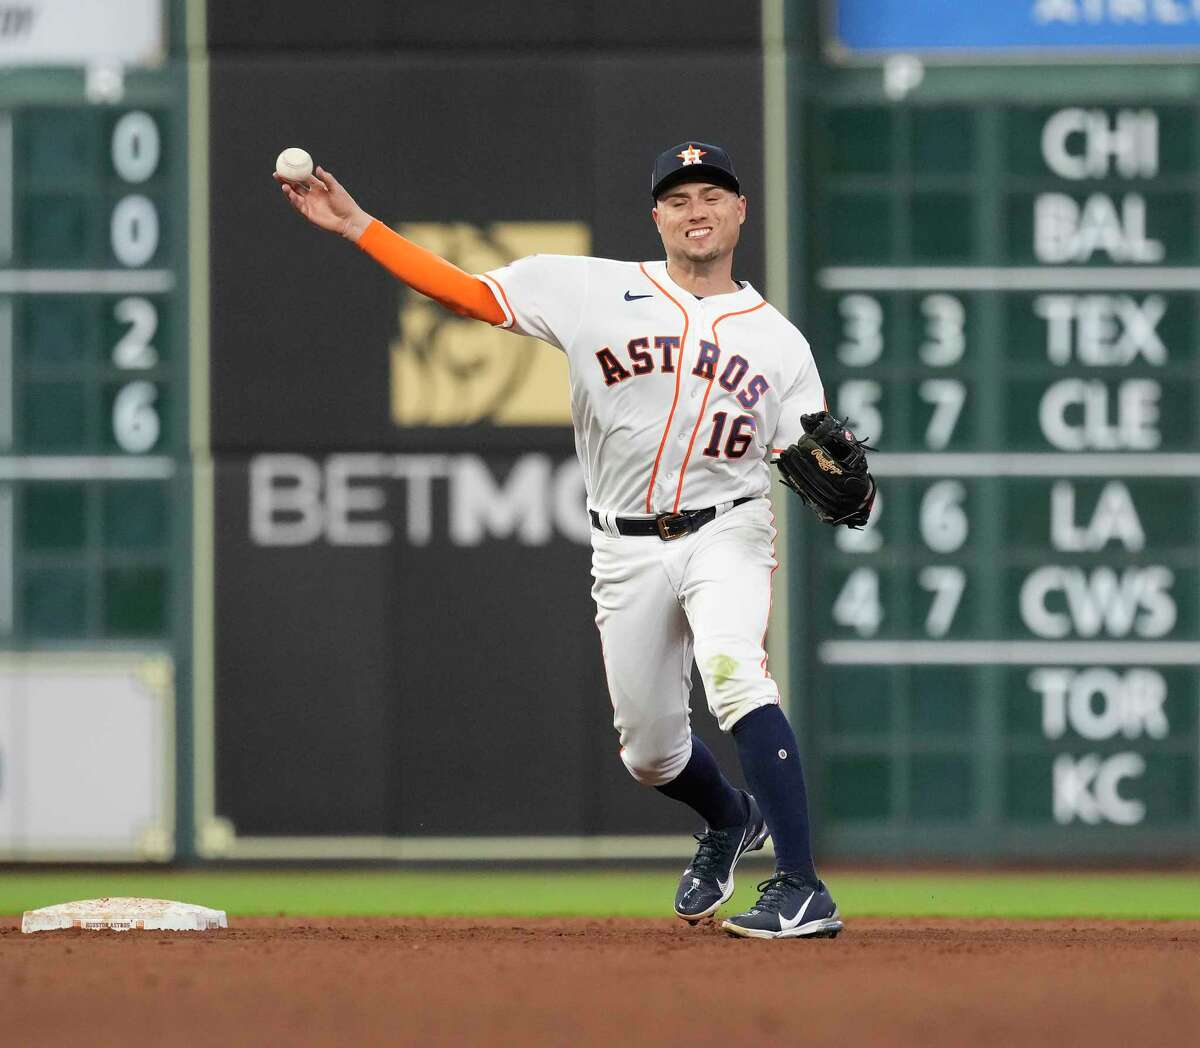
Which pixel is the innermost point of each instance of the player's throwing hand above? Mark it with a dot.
(323, 200)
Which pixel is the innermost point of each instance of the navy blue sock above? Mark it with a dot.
(771, 763)
(703, 788)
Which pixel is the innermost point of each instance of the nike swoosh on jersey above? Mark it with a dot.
(634, 298)
(790, 922)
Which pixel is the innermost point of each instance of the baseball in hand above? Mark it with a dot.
(295, 165)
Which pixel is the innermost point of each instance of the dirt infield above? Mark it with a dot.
(622, 982)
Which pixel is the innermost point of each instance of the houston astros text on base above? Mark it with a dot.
(683, 381)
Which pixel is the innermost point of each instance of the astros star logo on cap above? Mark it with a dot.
(691, 155)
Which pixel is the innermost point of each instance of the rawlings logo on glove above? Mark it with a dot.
(827, 468)
(825, 462)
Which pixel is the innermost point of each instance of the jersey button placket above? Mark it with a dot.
(686, 421)
(682, 426)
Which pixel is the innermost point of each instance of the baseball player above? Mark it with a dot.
(684, 382)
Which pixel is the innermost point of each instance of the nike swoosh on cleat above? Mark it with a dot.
(634, 298)
(786, 923)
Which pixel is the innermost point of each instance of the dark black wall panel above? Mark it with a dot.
(438, 688)
(364, 25)
(428, 687)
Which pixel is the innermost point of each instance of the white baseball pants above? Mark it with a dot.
(659, 603)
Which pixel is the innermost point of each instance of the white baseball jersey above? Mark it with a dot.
(677, 401)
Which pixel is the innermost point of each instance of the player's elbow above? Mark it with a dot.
(474, 303)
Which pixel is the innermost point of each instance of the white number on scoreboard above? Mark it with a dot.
(862, 330)
(134, 230)
(857, 605)
(945, 334)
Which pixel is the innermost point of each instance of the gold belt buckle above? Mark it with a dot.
(665, 522)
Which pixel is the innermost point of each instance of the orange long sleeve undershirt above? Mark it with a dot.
(431, 274)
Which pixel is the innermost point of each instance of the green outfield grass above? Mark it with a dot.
(605, 893)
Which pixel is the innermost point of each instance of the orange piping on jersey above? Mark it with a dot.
(704, 404)
(695, 430)
(497, 286)
(678, 371)
(770, 602)
(431, 274)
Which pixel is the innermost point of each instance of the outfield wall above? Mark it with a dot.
(294, 564)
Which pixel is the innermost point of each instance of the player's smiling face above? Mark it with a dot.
(698, 221)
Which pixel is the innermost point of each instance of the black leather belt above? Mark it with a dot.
(667, 526)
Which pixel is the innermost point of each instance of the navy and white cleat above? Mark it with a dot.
(708, 880)
(788, 908)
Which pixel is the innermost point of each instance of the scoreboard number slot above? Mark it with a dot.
(945, 330)
(134, 230)
(946, 396)
(133, 350)
(943, 516)
(136, 423)
(947, 584)
(862, 330)
(136, 146)
(857, 605)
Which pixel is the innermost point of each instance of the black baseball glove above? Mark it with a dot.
(827, 468)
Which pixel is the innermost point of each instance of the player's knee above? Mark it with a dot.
(655, 745)
(734, 684)
(654, 766)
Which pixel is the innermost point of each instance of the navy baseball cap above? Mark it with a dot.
(693, 162)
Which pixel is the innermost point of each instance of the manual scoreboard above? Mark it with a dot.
(91, 365)
(1004, 291)
(95, 480)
